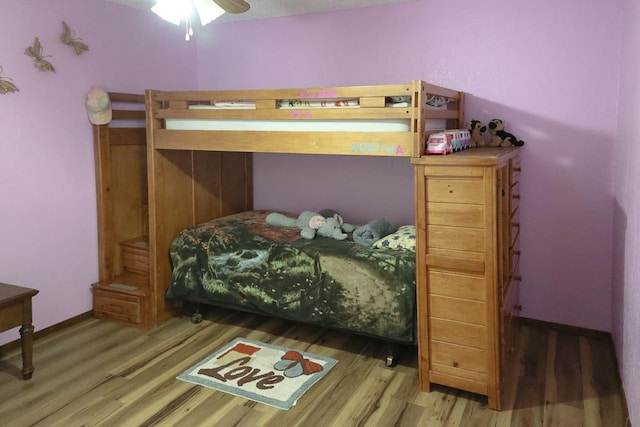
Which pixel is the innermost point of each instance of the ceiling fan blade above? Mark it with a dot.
(233, 6)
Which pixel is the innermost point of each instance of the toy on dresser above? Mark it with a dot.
(476, 128)
(448, 141)
(500, 137)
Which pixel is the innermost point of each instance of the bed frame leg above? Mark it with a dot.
(393, 354)
(196, 317)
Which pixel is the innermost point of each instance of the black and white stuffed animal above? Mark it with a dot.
(476, 129)
(500, 137)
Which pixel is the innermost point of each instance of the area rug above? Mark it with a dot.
(265, 373)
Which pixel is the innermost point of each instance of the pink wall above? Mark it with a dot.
(48, 237)
(550, 72)
(626, 213)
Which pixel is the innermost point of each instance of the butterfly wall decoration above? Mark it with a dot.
(69, 38)
(6, 85)
(35, 51)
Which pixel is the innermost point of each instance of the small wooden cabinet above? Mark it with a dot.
(467, 217)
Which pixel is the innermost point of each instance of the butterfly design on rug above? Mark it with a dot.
(6, 85)
(35, 52)
(69, 38)
(294, 364)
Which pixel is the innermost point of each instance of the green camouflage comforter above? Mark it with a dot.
(241, 261)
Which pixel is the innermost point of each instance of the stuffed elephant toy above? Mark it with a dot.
(312, 223)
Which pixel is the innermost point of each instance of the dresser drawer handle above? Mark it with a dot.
(515, 196)
(517, 169)
(515, 224)
(516, 252)
(455, 364)
(517, 278)
(518, 307)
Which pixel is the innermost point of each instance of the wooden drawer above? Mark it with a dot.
(456, 214)
(460, 333)
(135, 262)
(459, 357)
(456, 238)
(117, 306)
(457, 309)
(135, 255)
(453, 190)
(457, 285)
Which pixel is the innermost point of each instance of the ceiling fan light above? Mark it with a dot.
(207, 11)
(172, 11)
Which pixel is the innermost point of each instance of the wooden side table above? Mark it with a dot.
(15, 310)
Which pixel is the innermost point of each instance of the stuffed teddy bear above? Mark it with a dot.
(477, 129)
(312, 223)
(501, 138)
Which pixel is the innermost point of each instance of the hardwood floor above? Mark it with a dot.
(97, 373)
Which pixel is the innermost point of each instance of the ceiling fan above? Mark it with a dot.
(176, 11)
(233, 6)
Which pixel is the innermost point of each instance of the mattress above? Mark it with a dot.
(302, 110)
(290, 125)
(241, 261)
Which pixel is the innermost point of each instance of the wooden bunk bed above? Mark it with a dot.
(198, 166)
(200, 146)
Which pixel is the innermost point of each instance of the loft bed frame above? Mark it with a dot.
(198, 172)
(298, 123)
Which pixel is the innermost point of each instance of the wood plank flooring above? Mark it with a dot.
(97, 373)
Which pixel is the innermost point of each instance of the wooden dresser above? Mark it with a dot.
(467, 268)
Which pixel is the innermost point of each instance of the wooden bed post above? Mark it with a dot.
(417, 119)
(106, 239)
